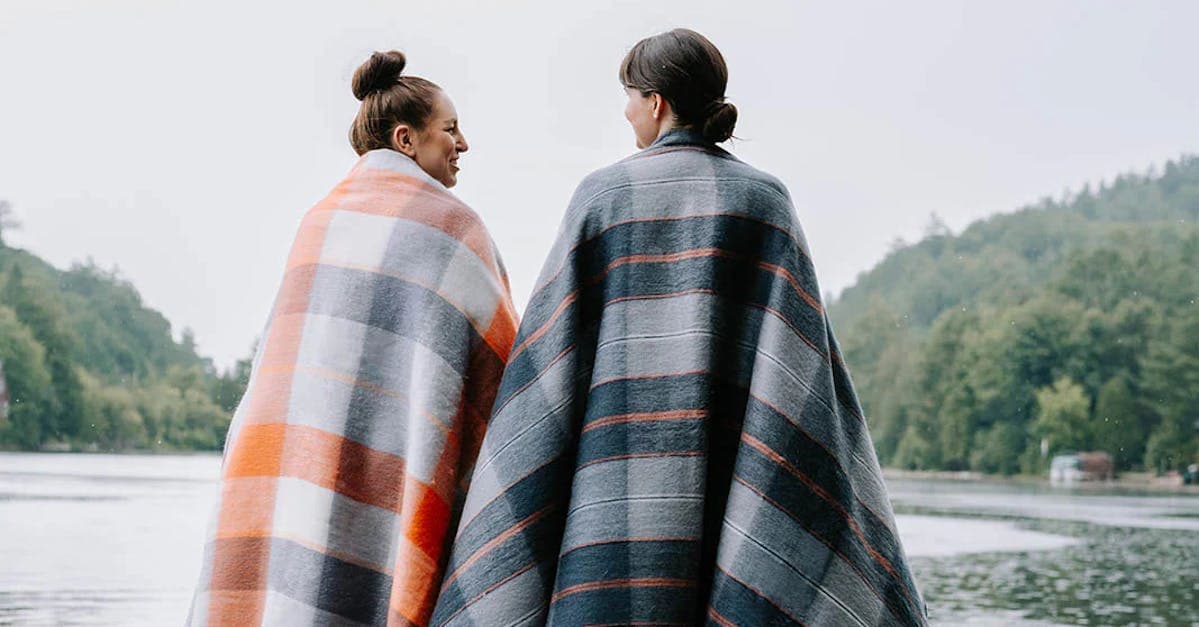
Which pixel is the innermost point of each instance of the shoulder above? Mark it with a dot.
(739, 170)
(599, 181)
(678, 172)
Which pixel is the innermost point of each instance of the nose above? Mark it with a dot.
(461, 144)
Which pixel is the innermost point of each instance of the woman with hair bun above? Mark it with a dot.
(676, 439)
(349, 454)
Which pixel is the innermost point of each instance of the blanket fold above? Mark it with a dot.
(348, 456)
(676, 439)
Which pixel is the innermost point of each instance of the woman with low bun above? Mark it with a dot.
(348, 456)
(676, 439)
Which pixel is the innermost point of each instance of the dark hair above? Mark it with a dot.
(388, 99)
(689, 72)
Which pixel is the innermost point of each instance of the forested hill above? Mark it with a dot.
(1072, 322)
(89, 366)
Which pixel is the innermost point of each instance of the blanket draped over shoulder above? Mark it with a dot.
(676, 439)
(348, 456)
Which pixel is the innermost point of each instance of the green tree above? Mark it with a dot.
(998, 449)
(1119, 423)
(231, 385)
(44, 316)
(1172, 445)
(948, 397)
(1063, 416)
(28, 382)
(1172, 386)
(915, 450)
(111, 417)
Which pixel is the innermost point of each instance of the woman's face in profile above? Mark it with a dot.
(439, 143)
(639, 111)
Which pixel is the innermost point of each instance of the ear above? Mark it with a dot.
(658, 105)
(403, 139)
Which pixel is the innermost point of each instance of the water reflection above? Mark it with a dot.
(101, 540)
(1135, 560)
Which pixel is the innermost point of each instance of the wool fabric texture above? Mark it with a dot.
(676, 438)
(348, 457)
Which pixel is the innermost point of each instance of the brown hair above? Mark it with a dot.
(388, 99)
(689, 72)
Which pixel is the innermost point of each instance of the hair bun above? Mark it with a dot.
(719, 120)
(378, 73)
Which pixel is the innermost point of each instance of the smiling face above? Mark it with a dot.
(436, 147)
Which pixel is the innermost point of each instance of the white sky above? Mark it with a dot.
(182, 141)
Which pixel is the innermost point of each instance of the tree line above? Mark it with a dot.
(1069, 325)
(88, 366)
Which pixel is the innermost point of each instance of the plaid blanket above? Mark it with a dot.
(348, 457)
(676, 439)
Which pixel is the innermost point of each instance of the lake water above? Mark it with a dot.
(116, 540)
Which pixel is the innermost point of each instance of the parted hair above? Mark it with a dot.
(389, 98)
(689, 72)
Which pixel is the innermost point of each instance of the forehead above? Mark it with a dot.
(443, 107)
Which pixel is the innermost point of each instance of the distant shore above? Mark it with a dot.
(1137, 481)
(135, 452)
(1145, 481)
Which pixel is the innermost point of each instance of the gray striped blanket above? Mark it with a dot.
(676, 439)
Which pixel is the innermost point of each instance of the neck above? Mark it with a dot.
(668, 124)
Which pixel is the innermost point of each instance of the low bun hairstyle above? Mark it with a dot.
(689, 72)
(389, 98)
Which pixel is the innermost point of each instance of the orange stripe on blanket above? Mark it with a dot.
(239, 565)
(649, 416)
(502, 332)
(417, 574)
(243, 566)
(608, 584)
(244, 510)
(295, 292)
(310, 240)
(719, 618)
(503, 537)
(698, 253)
(358, 472)
(545, 327)
(233, 607)
(836, 505)
(388, 193)
(760, 594)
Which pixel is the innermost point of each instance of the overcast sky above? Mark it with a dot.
(181, 142)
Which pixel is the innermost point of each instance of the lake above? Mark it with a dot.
(116, 540)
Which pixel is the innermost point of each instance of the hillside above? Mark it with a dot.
(89, 366)
(1074, 322)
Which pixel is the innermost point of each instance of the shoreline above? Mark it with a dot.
(125, 453)
(1131, 481)
(1135, 481)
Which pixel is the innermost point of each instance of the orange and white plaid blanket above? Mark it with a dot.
(370, 392)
